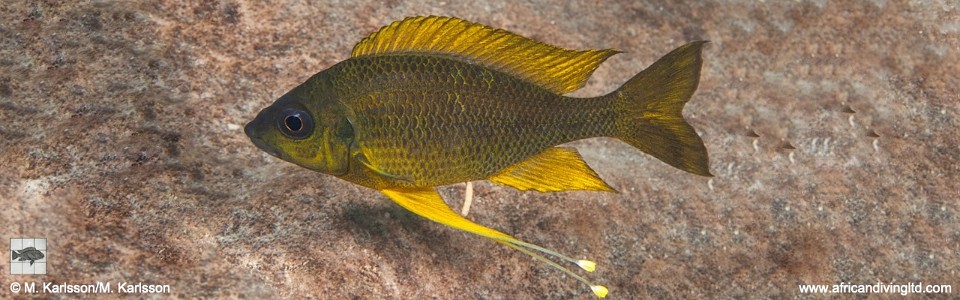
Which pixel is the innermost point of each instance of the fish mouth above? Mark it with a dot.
(250, 131)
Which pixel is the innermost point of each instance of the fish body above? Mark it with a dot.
(28, 253)
(434, 121)
(431, 101)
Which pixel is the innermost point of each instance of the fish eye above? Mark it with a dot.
(295, 123)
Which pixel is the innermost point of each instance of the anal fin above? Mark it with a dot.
(553, 170)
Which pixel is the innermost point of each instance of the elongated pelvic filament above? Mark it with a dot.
(598, 290)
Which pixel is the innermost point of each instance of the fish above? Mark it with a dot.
(28, 253)
(430, 101)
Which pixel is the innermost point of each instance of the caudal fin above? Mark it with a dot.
(650, 106)
(15, 255)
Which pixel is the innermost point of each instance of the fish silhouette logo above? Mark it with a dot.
(28, 254)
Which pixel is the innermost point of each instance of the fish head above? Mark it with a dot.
(307, 127)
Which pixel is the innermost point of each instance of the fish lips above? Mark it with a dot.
(252, 130)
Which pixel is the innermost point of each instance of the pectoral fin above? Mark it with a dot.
(366, 163)
(553, 170)
(428, 204)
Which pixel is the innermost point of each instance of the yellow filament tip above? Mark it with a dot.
(599, 290)
(587, 265)
(555, 265)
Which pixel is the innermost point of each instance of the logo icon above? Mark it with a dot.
(28, 256)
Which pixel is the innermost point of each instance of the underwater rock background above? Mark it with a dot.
(832, 129)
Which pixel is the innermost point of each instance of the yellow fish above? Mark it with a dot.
(431, 101)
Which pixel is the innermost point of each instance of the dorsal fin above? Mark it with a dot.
(556, 69)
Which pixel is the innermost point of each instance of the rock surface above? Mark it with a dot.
(832, 128)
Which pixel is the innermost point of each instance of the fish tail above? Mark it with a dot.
(650, 106)
(15, 255)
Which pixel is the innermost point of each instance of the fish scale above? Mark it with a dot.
(414, 116)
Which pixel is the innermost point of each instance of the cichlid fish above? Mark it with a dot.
(431, 101)
(28, 253)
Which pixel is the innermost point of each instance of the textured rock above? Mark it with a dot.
(121, 143)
